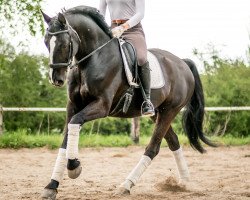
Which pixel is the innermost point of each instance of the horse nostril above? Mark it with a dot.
(59, 83)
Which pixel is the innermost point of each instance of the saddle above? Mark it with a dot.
(131, 69)
(129, 58)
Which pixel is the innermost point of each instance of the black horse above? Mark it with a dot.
(95, 87)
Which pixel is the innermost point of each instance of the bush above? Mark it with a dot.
(226, 83)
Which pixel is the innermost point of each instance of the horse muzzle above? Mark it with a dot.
(58, 83)
(57, 77)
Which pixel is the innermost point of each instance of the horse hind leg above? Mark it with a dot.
(162, 125)
(174, 146)
(135, 130)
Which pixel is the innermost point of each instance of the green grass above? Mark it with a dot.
(21, 139)
(232, 141)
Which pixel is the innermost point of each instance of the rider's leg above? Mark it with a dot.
(147, 106)
(136, 36)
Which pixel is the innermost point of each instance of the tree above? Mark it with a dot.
(17, 13)
(24, 83)
(226, 83)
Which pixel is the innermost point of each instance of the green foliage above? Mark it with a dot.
(116, 126)
(23, 139)
(104, 141)
(146, 126)
(107, 126)
(226, 83)
(16, 13)
(24, 83)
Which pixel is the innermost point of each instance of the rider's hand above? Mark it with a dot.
(118, 31)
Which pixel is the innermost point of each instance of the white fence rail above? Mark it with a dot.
(2, 109)
(6, 109)
(25, 109)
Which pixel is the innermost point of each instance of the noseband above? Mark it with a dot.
(70, 57)
(61, 65)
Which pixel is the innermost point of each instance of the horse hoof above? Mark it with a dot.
(49, 194)
(184, 181)
(136, 140)
(122, 191)
(73, 174)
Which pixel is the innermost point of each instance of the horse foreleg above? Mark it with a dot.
(74, 166)
(50, 191)
(135, 129)
(92, 111)
(174, 146)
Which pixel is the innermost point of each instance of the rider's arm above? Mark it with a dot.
(102, 7)
(139, 15)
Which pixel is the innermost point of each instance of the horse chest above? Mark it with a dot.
(84, 89)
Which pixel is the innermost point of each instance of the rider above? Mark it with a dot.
(126, 16)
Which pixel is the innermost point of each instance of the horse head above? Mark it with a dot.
(62, 42)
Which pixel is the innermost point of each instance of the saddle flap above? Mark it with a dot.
(130, 65)
(130, 54)
(129, 61)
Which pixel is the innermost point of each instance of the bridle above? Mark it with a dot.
(70, 57)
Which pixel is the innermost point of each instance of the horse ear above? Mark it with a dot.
(61, 18)
(47, 19)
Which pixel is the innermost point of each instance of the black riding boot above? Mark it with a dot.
(147, 106)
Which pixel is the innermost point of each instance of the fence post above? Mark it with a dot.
(1, 120)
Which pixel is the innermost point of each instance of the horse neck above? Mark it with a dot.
(91, 35)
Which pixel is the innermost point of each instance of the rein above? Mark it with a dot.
(70, 57)
(90, 54)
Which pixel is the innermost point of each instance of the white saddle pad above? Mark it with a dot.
(157, 79)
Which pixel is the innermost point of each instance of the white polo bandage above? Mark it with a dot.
(73, 140)
(139, 169)
(60, 166)
(127, 184)
(181, 164)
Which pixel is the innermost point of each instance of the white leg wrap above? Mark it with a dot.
(181, 164)
(73, 140)
(60, 165)
(137, 172)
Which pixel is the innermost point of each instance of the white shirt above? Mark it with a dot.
(133, 10)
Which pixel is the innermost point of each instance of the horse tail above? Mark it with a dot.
(193, 116)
